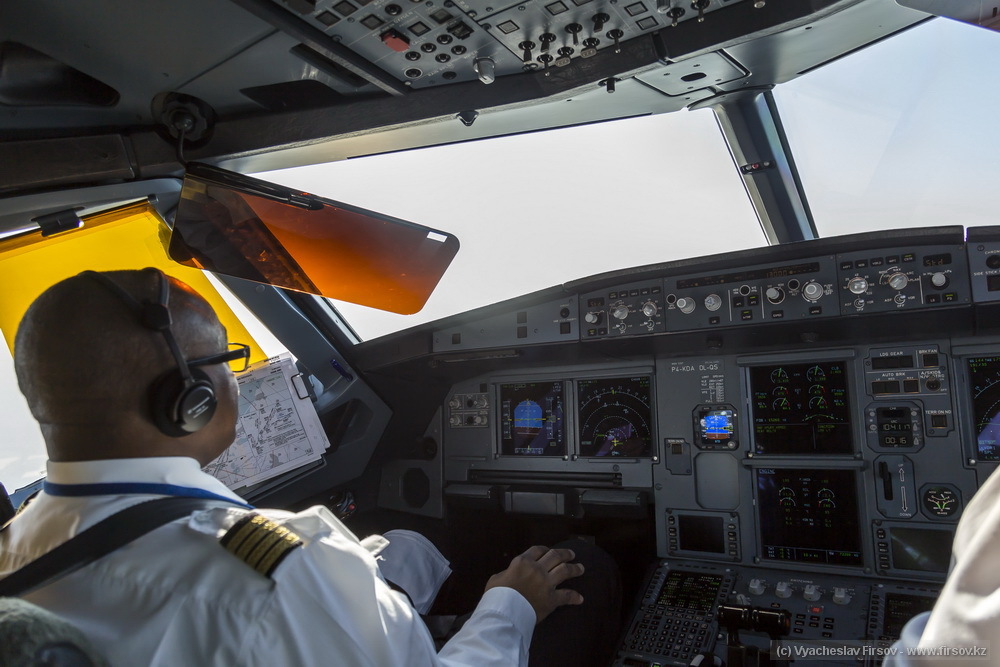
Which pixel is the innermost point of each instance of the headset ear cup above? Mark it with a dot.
(180, 410)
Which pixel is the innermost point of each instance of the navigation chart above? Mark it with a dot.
(276, 429)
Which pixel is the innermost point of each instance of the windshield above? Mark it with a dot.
(536, 210)
(901, 134)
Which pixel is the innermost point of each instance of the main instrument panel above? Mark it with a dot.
(815, 469)
(818, 480)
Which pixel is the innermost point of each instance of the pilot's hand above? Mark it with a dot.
(535, 575)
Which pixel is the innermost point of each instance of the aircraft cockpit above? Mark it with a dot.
(757, 364)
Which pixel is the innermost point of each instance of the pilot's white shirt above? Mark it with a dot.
(967, 613)
(176, 597)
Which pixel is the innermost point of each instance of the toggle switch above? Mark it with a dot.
(526, 46)
(701, 6)
(574, 29)
(600, 18)
(616, 34)
(546, 38)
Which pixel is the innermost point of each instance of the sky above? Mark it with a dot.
(875, 150)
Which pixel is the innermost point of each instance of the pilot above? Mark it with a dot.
(964, 624)
(105, 377)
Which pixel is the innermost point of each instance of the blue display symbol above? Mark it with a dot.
(528, 418)
(717, 426)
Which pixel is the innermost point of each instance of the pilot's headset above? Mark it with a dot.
(182, 401)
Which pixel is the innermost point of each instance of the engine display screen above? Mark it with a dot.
(984, 380)
(531, 419)
(921, 549)
(809, 516)
(801, 409)
(615, 417)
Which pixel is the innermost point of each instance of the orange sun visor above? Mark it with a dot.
(244, 227)
(130, 237)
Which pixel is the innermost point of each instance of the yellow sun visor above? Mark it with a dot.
(244, 227)
(131, 237)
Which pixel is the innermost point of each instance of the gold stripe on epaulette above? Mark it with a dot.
(259, 542)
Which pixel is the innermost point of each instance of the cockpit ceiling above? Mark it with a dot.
(264, 75)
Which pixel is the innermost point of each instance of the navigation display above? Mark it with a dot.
(801, 409)
(531, 419)
(984, 381)
(615, 417)
(809, 516)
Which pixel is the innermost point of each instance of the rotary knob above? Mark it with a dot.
(811, 592)
(686, 305)
(480, 402)
(939, 280)
(856, 285)
(783, 589)
(898, 281)
(756, 587)
(812, 291)
(454, 403)
(713, 302)
(649, 309)
(620, 312)
(841, 596)
(775, 295)
(593, 317)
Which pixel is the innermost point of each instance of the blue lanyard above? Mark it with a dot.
(124, 488)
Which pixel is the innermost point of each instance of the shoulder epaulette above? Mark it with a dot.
(259, 542)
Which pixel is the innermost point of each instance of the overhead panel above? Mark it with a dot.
(430, 42)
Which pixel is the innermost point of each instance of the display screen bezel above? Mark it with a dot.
(836, 440)
(712, 526)
(932, 536)
(507, 447)
(645, 412)
(844, 555)
(982, 448)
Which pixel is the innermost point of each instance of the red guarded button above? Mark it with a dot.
(395, 41)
